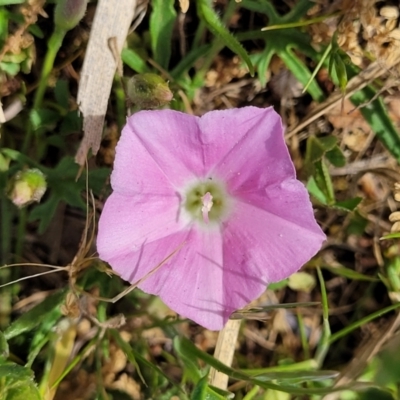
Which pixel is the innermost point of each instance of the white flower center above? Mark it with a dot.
(206, 201)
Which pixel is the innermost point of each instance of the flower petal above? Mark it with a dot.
(245, 148)
(269, 244)
(193, 286)
(127, 223)
(157, 150)
(190, 282)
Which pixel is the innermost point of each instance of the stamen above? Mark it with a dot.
(207, 205)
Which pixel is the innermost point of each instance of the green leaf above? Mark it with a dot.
(189, 60)
(375, 113)
(134, 61)
(349, 273)
(357, 224)
(315, 191)
(4, 14)
(10, 68)
(328, 142)
(283, 43)
(318, 147)
(191, 367)
(4, 350)
(44, 118)
(188, 347)
(278, 285)
(61, 93)
(256, 312)
(314, 150)
(200, 390)
(341, 72)
(71, 123)
(208, 15)
(336, 157)
(203, 391)
(35, 315)
(134, 357)
(394, 235)
(36, 31)
(348, 205)
(324, 182)
(10, 2)
(4, 163)
(301, 72)
(62, 186)
(16, 383)
(44, 212)
(162, 20)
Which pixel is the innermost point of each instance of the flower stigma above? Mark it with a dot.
(207, 205)
(206, 201)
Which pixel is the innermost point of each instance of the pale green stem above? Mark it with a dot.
(53, 46)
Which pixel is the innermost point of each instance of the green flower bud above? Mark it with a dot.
(148, 91)
(26, 187)
(68, 13)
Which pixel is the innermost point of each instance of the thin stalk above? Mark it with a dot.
(323, 346)
(53, 46)
(20, 234)
(345, 331)
(303, 336)
(6, 216)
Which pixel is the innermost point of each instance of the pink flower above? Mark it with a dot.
(222, 189)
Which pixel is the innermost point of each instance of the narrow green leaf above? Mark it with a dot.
(291, 377)
(10, 2)
(4, 351)
(34, 316)
(394, 235)
(191, 367)
(340, 71)
(134, 61)
(207, 14)
(357, 324)
(162, 20)
(375, 113)
(190, 348)
(134, 357)
(301, 72)
(189, 60)
(349, 273)
(253, 312)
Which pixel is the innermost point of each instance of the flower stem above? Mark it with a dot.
(224, 351)
(53, 46)
(20, 234)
